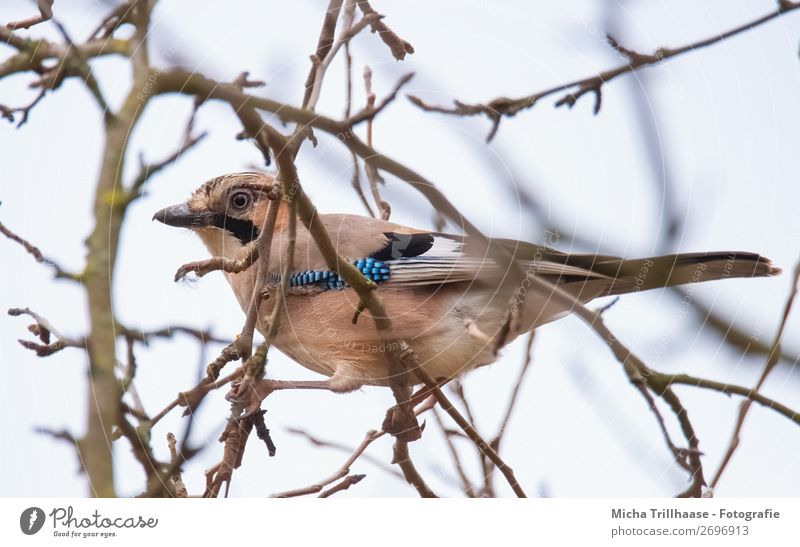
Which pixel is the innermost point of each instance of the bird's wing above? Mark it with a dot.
(447, 259)
(397, 255)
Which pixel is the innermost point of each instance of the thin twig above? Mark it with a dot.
(373, 175)
(177, 480)
(193, 397)
(324, 43)
(78, 65)
(45, 14)
(637, 372)
(113, 20)
(42, 329)
(8, 113)
(486, 465)
(512, 401)
(34, 251)
(340, 473)
(370, 437)
(772, 360)
(692, 454)
(127, 382)
(322, 443)
(469, 488)
(471, 432)
(371, 111)
(399, 47)
(144, 336)
(148, 170)
(402, 457)
(501, 107)
(342, 485)
(658, 381)
(323, 63)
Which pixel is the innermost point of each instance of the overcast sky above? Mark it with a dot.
(725, 120)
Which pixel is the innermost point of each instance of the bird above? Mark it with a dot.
(445, 297)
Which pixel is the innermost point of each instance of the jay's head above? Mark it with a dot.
(226, 212)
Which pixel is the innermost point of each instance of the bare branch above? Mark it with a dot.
(235, 439)
(402, 457)
(730, 334)
(148, 170)
(638, 374)
(471, 432)
(349, 18)
(371, 436)
(8, 113)
(127, 381)
(340, 473)
(45, 14)
(772, 360)
(681, 455)
(142, 451)
(469, 488)
(658, 381)
(356, 183)
(322, 443)
(375, 178)
(243, 82)
(78, 65)
(324, 43)
(144, 336)
(399, 47)
(512, 401)
(508, 107)
(34, 251)
(369, 113)
(67, 437)
(113, 20)
(692, 454)
(245, 400)
(344, 484)
(192, 398)
(175, 462)
(42, 328)
(244, 341)
(321, 64)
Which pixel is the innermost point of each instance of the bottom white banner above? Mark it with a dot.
(389, 522)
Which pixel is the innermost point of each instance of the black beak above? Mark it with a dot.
(183, 217)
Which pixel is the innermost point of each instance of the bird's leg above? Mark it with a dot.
(252, 394)
(275, 385)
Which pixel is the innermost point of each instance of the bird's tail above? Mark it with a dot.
(666, 271)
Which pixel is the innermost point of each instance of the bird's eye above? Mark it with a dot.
(240, 200)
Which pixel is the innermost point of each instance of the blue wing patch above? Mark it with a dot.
(371, 268)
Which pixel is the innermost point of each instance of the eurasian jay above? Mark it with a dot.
(445, 300)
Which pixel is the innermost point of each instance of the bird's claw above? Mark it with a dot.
(251, 395)
(401, 423)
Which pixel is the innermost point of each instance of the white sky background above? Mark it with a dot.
(727, 119)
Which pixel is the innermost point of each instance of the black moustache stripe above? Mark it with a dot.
(244, 230)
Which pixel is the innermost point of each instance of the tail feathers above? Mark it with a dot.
(667, 271)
